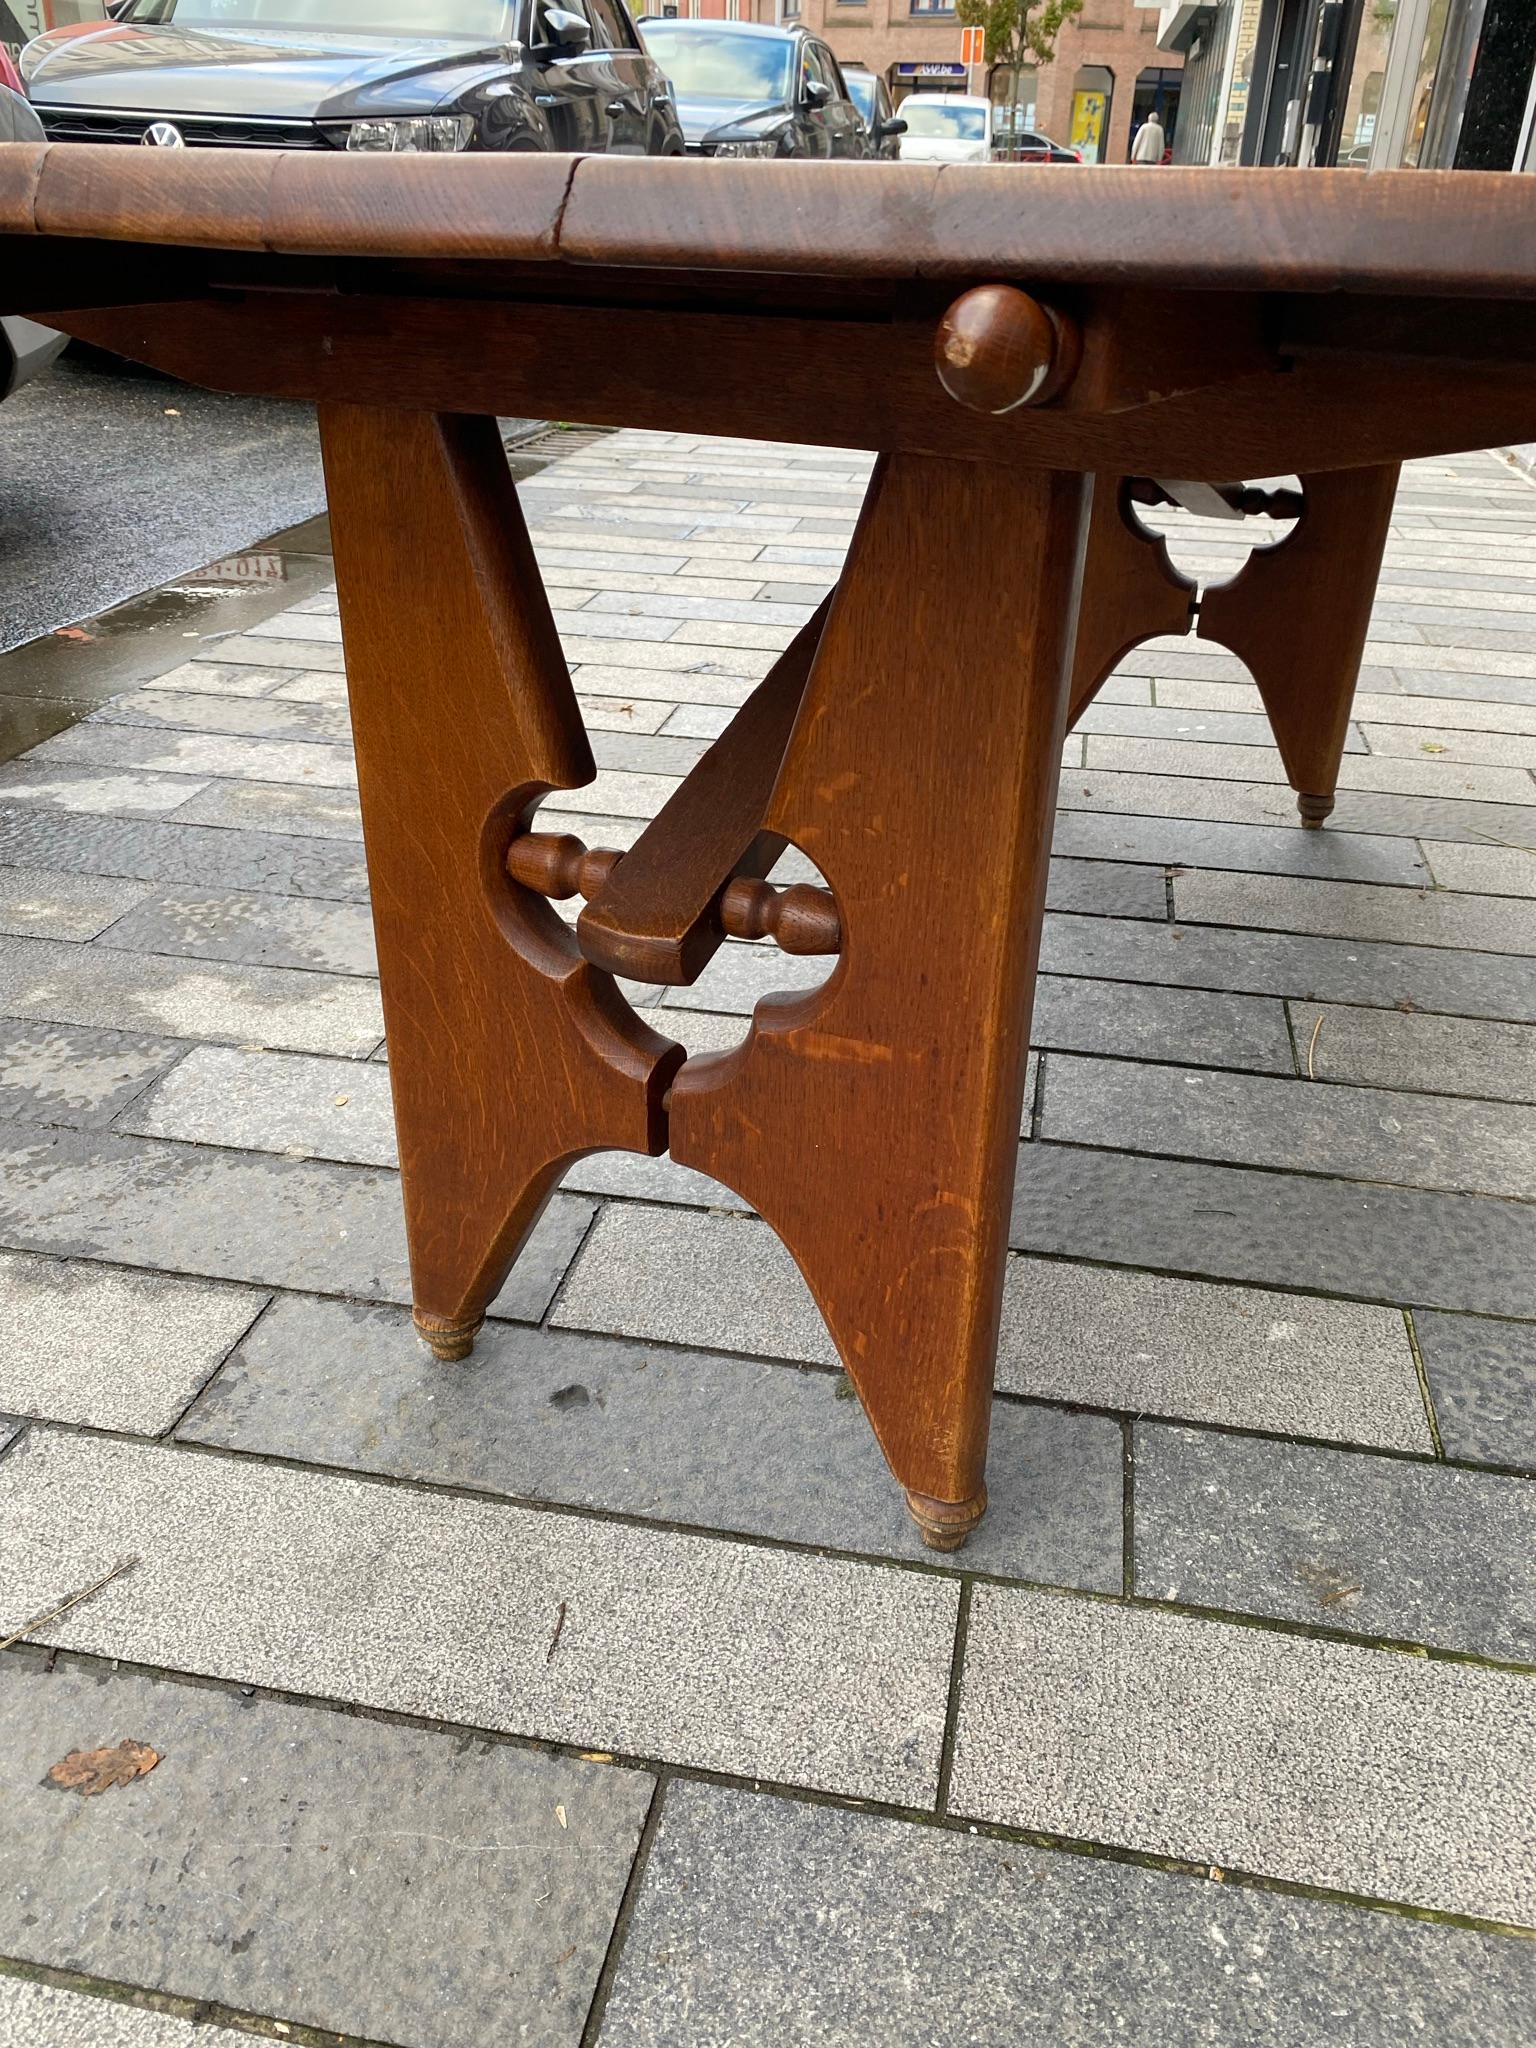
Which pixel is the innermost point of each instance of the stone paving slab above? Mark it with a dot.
(53, 982)
(1415, 1552)
(113, 1349)
(156, 850)
(64, 1074)
(1402, 1245)
(34, 2015)
(1497, 870)
(1482, 1379)
(1429, 775)
(130, 794)
(589, 1422)
(332, 1871)
(272, 1102)
(251, 929)
(1401, 1049)
(1425, 1141)
(766, 1923)
(274, 807)
(1260, 849)
(1277, 963)
(268, 718)
(1366, 1771)
(37, 904)
(1241, 1357)
(206, 675)
(268, 1221)
(194, 753)
(1409, 917)
(772, 1663)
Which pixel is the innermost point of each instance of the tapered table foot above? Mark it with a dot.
(447, 1340)
(945, 1524)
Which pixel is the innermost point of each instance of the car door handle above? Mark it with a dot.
(546, 99)
(617, 109)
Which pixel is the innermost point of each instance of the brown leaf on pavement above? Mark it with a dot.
(89, 1771)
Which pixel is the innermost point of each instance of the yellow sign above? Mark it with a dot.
(1088, 124)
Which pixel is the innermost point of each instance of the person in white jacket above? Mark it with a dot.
(1150, 142)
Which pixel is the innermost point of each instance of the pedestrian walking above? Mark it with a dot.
(1150, 142)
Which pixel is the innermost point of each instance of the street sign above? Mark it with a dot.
(973, 46)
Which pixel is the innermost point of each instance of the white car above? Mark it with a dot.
(945, 128)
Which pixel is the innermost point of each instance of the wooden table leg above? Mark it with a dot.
(874, 1122)
(1131, 592)
(1296, 614)
(509, 1055)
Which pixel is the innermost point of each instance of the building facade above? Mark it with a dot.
(1356, 84)
(1107, 75)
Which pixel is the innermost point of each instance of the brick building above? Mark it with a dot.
(1107, 67)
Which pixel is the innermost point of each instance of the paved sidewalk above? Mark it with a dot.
(598, 1690)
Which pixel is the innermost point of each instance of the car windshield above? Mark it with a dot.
(713, 64)
(861, 90)
(479, 21)
(945, 124)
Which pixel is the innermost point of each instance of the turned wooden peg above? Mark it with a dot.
(998, 349)
(799, 919)
(558, 864)
(945, 1524)
(448, 1341)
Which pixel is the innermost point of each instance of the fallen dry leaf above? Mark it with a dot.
(560, 1816)
(72, 633)
(89, 1771)
(342, 1101)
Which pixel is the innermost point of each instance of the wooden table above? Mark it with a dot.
(1031, 352)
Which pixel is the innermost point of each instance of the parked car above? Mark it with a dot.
(25, 348)
(10, 77)
(745, 90)
(946, 128)
(872, 96)
(1035, 148)
(435, 75)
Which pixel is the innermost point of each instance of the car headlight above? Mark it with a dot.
(421, 131)
(746, 149)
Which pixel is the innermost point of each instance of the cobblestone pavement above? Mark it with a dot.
(1223, 1729)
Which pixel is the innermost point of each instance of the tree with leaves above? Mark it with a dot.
(1018, 32)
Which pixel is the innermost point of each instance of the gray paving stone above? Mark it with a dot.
(1398, 1049)
(37, 904)
(1413, 917)
(111, 1349)
(267, 718)
(687, 1277)
(1430, 775)
(770, 1663)
(645, 753)
(1495, 870)
(1277, 963)
(34, 2015)
(1482, 1380)
(1324, 1763)
(155, 850)
(766, 1923)
(271, 1222)
(1402, 1245)
(177, 753)
(61, 1074)
(1107, 888)
(694, 688)
(212, 677)
(665, 605)
(297, 625)
(639, 1179)
(83, 790)
(10, 1429)
(248, 928)
(315, 686)
(1510, 749)
(589, 1422)
(1243, 1357)
(1143, 1021)
(1281, 849)
(332, 1871)
(58, 983)
(1422, 1553)
(1365, 813)
(273, 807)
(273, 1102)
(1426, 1141)
(1175, 722)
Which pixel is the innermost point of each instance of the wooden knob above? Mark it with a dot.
(998, 349)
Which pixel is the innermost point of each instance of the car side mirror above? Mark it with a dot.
(895, 127)
(562, 30)
(817, 92)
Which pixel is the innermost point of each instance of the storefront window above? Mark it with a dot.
(1092, 90)
(1246, 36)
(1013, 95)
(1362, 100)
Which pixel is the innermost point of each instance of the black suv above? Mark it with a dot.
(301, 74)
(872, 96)
(744, 90)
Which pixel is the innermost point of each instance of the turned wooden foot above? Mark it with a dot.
(945, 1524)
(445, 1339)
(1313, 810)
